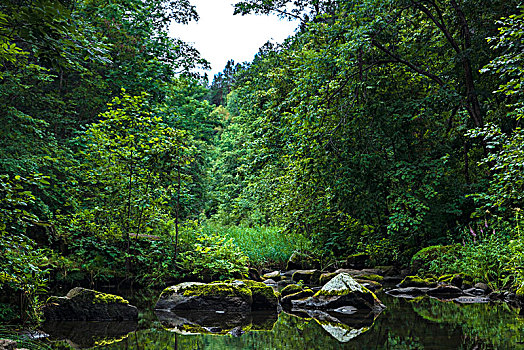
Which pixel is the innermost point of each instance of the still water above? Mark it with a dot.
(416, 324)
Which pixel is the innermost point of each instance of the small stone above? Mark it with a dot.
(482, 286)
(445, 291)
(7, 344)
(408, 292)
(270, 282)
(275, 276)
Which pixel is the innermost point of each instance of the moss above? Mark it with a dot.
(416, 281)
(342, 292)
(109, 298)
(217, 289)
(375, 278)
(290, 289)
(93, 296)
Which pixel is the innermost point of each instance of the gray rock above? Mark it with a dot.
(270, 282)
(287, 301)
(275, 276)
(408, 292)
(88, 305)
(342, 290)
(445, 291)
(482, 286)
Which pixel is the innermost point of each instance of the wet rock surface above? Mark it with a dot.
(82, 304)
(341, 291)
(234, 296)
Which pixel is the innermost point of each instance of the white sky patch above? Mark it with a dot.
(220, 36)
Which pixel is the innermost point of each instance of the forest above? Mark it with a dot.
(389, 128)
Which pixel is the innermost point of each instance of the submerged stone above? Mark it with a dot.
(82, 304)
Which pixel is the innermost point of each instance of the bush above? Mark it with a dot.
(214, 257)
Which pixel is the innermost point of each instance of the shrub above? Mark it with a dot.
(214, 257)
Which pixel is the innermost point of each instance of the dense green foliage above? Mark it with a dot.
(380, 127)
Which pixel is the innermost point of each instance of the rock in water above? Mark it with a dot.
(201, 296)
(307, 276)
(82, 304)
(342, 290)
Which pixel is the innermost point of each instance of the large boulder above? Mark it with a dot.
(234, 296)
(82, 304)
(219, 296)
(342, 290)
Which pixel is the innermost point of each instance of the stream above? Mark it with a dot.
(405, 324)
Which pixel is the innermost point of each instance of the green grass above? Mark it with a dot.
(265, 246)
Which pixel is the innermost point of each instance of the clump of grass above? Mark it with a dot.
(263, 245)
(23, 341)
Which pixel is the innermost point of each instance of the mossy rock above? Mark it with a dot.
(275, 276)
(82, 304)
(307, 276)
(371, 285)
(416, 281)
(341, 291)
(264, 297)
(358, 260)
(287, 300)
(375, 278)
(254, 275)
(218, 296)
(290, 289)
(452, 279)
(388, 270)
(326, 277)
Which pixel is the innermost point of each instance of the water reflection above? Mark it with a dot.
(414, 324)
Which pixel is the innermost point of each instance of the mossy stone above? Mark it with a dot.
(290, 289)
(82, 304)
(416, 281)
(326, 277)
(307, 276)
(201, 296)
(358, 260)
(375, 278)
(264, 297)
